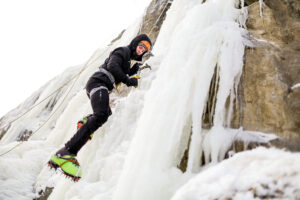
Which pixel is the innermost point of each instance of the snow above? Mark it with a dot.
(295, 86)
(258, 174)
(135, 154)
(218, 140)
(20, 169)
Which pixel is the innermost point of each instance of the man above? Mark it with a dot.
(116, 69)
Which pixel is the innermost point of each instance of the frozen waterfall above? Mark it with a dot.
(136, 154)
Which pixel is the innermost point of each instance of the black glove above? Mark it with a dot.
(134, 69)
(132, 82)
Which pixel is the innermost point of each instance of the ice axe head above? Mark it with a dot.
(148, 66)
(147, 55)
(145, 66)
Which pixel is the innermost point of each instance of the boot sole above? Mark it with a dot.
(54, 166)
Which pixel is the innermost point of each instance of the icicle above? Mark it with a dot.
(242, 4)
(260, 8)
(243, 16)
(295, 86)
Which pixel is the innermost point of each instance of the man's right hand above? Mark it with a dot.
(132, 82)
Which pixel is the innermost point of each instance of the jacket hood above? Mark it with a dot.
(134, 43)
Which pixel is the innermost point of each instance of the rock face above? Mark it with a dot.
(269, 102)
(154, 17)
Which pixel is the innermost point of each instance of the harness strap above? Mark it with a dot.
(108, 74)
(94, 90)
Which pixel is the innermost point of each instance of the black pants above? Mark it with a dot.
(101, 112)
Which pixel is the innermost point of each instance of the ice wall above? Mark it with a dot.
(205, 36)
(135, 154)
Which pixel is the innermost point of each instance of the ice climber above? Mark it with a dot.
(116, 69)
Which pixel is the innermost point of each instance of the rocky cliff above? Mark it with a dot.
(269, 98)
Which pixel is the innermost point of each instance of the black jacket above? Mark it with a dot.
(118, 64)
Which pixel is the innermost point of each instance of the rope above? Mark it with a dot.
(32, 107)
(76, 76)
(39, 102)
(44, 122)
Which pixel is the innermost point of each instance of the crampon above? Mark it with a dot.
(66, 167)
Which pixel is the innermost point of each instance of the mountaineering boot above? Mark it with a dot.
(67, 162)
(83, 121)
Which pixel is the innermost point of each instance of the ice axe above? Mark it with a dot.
(145, 66)
(137, 76)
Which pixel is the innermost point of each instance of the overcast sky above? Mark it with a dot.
(40, 38)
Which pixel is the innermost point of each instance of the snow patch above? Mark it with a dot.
(295, 86)
(258, 174)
